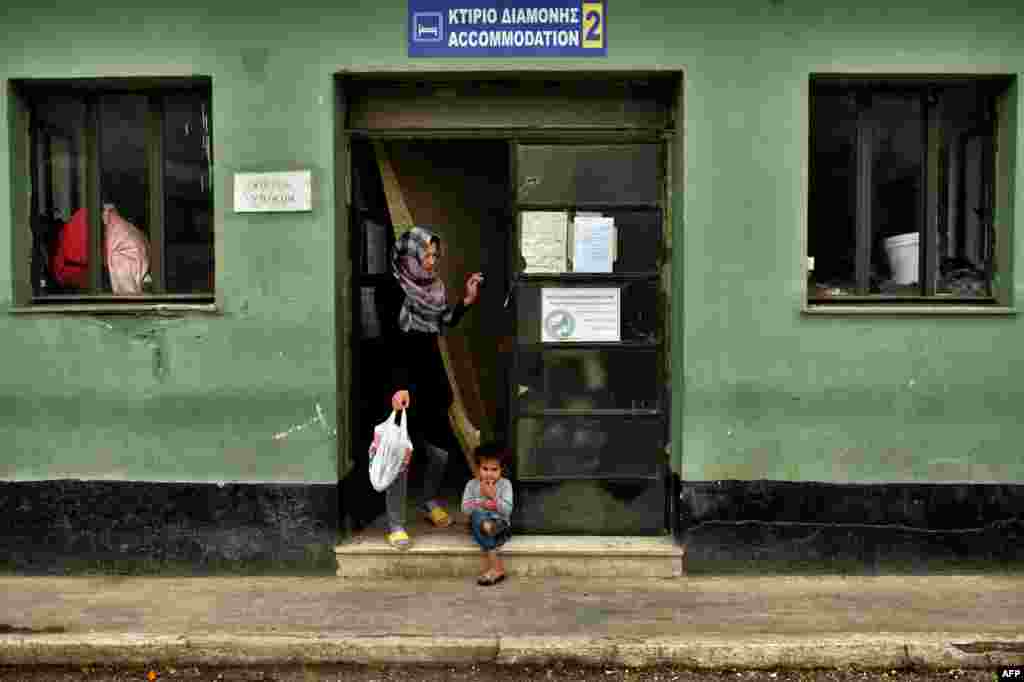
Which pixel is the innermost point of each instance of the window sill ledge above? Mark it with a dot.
(925, 310)
(115, 308)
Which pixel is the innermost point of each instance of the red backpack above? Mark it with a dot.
(70, 260)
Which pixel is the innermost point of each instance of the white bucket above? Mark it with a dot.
(902, 252)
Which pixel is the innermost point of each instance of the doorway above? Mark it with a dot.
(583, 411)
(457, 189)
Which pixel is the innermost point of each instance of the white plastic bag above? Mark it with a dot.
(390, 450)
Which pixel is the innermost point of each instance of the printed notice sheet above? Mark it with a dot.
(544, 237)
(580, 314)
(615, 234)
(593, 243)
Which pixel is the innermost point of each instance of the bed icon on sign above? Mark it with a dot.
(427, 27)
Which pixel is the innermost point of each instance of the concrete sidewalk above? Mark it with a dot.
(706, 622)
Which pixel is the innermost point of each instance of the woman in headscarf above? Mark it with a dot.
(419, 380)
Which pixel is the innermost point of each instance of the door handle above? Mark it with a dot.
(508, 297)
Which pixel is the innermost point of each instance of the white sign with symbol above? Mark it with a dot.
(580, 314)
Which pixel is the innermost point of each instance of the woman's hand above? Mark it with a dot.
(400, 400)
(473, 288)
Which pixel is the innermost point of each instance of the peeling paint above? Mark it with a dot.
(145, 330)
(331, 431)
(281, 435)
(318, 418)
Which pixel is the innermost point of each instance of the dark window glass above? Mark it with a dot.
(639, 239)
(123, 176)
(574, 175)
(188, 212)
(591, 507)
(581, 379)
(901, 189)
(121, 194)
(896, 191)
(58, 129)
(592, 447)
(966, 203)
(832, 213)
(58, 138)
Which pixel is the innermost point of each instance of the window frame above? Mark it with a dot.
(1002, 91)
(20, 95)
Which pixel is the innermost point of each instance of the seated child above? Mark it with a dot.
(488, 500)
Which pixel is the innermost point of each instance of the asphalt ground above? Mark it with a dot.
(699, 623)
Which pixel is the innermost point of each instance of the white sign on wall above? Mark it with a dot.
(284, 191)
(580, 314)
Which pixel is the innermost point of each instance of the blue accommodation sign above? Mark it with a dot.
(508, 28)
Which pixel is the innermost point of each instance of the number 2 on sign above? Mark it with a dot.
(593, 24)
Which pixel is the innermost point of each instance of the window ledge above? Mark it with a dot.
(115, 308)
(924, 309)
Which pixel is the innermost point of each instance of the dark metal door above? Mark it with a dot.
(587, 419)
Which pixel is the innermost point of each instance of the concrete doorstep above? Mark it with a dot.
(447, 555)
(859, 651)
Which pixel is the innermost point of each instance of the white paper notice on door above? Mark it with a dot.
(580, 314)
(593, 243)
(544, 237)
(615, 232)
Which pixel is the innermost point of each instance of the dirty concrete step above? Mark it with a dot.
(455, 555)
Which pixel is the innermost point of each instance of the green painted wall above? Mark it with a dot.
(762, 391)
(250, 394)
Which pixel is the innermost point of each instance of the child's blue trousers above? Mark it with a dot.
(502, 530)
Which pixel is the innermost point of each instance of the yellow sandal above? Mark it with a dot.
(399, 539)
(439, 517)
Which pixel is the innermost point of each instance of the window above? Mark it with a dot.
(120, 203)
(908, 190)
